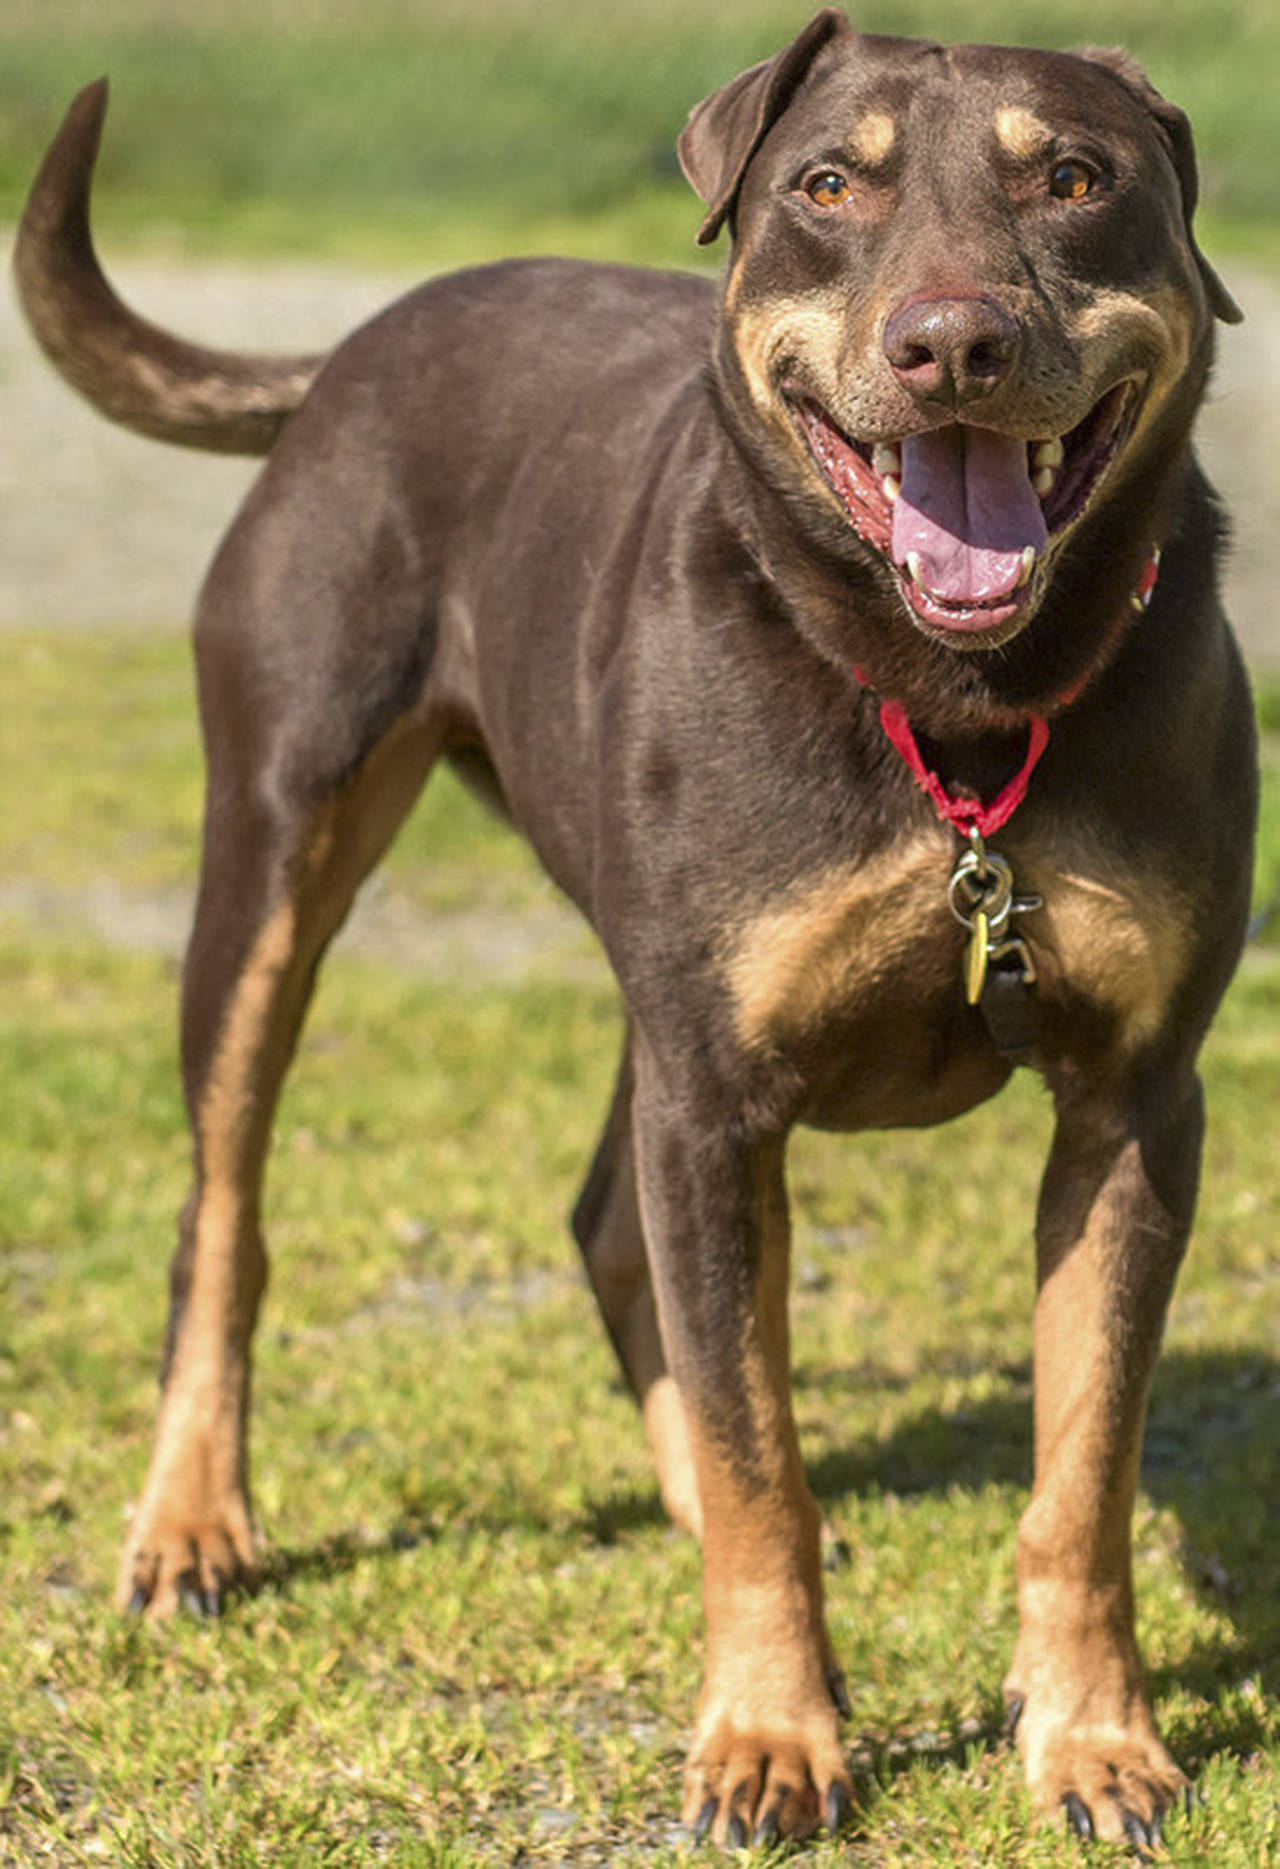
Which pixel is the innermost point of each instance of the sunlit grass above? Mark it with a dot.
(457, 132)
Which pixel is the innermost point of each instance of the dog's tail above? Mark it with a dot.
(130, 370)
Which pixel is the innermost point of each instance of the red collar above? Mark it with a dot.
(970, 816)
(966, 814)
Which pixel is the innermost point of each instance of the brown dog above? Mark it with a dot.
(676, 576)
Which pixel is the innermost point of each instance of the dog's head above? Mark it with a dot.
(965, 299)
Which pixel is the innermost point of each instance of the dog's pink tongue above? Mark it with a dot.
(968, 509)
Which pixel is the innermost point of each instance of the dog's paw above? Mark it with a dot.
(182, 1558)
(1105, 1780)
(757, 1783)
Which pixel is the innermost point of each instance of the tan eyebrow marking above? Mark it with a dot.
(872, 138)
(1022, 133)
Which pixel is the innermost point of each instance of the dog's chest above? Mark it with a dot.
(843, 941)
(856, 977)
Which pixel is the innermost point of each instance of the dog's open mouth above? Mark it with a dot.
(965, 516)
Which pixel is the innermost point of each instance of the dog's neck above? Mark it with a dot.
(839, 604)
(1007, 718)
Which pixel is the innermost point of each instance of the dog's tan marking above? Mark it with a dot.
(765, 1714)
(738, 270)
(812, 327)
(225, 1115)
(872, 138)
(818, 948)
(1118, 941)
(667, 1429)
(1151, 334)
(1021, 132)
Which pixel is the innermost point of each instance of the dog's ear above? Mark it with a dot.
(725, 130)
(1177, 133)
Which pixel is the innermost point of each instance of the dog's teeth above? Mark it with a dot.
(915, 568)
(886, 460)
(1046, 458)
(1028, 565)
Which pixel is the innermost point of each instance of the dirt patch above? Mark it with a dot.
(547, 942)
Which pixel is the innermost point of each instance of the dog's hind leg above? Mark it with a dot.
(606, 1224)
(288, 836)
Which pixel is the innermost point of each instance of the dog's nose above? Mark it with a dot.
(951, 350)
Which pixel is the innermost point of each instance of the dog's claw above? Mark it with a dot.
(736, 1835)
(1012, 1714)
(1154, 1825)
(768, 1830)
(839, 1693)
(190, 1595)
(839, 1804)
(1137, 1835)
(706, 1817)
(1078, 1817)
(137, 1602)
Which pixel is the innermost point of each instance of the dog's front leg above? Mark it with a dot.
(1114, 1216)
(766, 1759)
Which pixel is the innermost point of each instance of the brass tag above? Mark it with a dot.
(975, 957)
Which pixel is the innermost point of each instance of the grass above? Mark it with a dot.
(473, 128)
(478, 1640)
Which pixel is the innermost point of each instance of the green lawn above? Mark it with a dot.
(473, 128)
(478, 1640)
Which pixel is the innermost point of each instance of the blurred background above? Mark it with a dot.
(273, 171)
(445, 129)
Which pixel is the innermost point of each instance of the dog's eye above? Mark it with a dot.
(827, 189)
(1072, 181)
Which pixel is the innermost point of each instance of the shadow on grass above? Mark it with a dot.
(1212, 1454)
(602, 1522)
(605, 1521)
(448, 1516)
(334, 1556)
